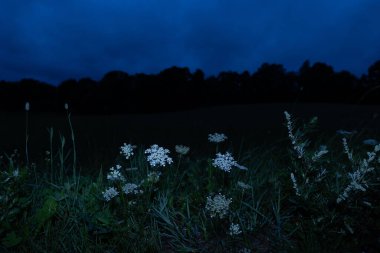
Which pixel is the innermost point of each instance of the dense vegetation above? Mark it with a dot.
(306, 193)
(177, 88)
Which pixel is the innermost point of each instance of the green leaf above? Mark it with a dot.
(46, 212)
(11, 240)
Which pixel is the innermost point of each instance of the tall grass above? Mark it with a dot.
(306, 193)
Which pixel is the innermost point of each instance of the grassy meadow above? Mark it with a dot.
(248, 178)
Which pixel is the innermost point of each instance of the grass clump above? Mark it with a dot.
(305, 194)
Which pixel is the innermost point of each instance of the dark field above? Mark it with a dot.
(98, 138)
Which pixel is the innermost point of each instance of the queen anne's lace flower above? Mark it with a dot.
(158, 156)
(127, 150)
(224, 161)
(218, 205)
(217, 137)
(181, 149)
(131, 188)
(234, 229)
(115, 175)
(110, 193)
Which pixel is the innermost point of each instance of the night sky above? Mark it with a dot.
(56, 40)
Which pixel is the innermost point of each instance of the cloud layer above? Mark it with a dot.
(56, 40)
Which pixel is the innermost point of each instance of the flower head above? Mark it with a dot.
(127, 150)
(181, 149)
(114, 174)
(131, 188)
(234, 229)
(27, 106)
(224, 161)
(217, 137)
(110, 193)
(218, 205)
(158, 156)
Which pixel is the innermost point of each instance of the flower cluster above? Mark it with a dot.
(295, 186)
(127, 150)
(347, 150)
(110, 193)
(298, 147)
(115, 175)
(131, 188)
(181, 149)
(234, 229)
(357, 177)
(321, 152)
(218, 205)
(224, 161)
(217, 137)
(158, 156)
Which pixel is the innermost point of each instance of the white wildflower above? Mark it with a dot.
(217, 137)
(298, 147)
(295, 186)
(66, 106)
(181, 149)
(346, 149)
(244, 250)
(371, 142)
(321, 152)
(224, 161)
(158, 156)
(16, 173)
(110, 193)
(131, 188)
(234, 229)
(115, 174)
(27, 106)
(127, 150)
(218, 205)
(244, 185)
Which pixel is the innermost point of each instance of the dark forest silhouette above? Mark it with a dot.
(176, 88)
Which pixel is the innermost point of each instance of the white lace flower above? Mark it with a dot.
(224, 161)
(218, 205)
(234, 229)
(217, 137)
(131, 188)
(127, 150)
(27, 106)
(181, 149)
(115, 174)
(158, 156)
(110, 193)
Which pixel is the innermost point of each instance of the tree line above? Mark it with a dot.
(177, 88)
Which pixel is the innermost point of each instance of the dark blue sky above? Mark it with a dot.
(56, 40)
